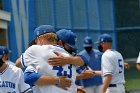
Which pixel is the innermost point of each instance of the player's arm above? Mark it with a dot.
(84, 72)
(107, 71)
(138, 66)
(97, 73)
(85, 75)
(33, 78)
(88, 74)
(126, 65)
(138, 63)
(81, 89)
(52, 80)
(74, 60)
(106, 82)
(18, 63)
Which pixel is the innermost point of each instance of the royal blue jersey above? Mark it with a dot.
(94, 62)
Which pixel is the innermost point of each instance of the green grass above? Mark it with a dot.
(132, 77)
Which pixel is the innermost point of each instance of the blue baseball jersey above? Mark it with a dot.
(94, 62)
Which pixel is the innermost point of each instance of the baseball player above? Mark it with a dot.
(37, 56)
(40, 79)
(6, 56)
(112, 66)
(138, 62)
(92, 84)
(37, 79)
(66, 39)
(11, 77)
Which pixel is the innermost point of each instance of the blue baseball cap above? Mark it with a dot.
(68, 37)
(88, 42)
(6, 50)
(104, 38)
(42, 29)
(3, 50)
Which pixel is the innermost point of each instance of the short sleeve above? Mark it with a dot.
(138, 59)
(29, 56)
(107, 67)
(31, 75)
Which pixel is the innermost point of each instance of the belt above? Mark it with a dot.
(112, 85)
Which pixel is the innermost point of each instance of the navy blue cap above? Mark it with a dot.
(104, 38)
(68, 37)
(88, 42)
(3, 50)
(42, 29)
(6, 50)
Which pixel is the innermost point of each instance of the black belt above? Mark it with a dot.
(112, 85)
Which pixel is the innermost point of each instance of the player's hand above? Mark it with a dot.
(80, 89)
(126, 65)
(88, 74)
(64, 83)
(60, 60)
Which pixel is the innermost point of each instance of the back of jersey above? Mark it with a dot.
(112, 63)
(67, 70)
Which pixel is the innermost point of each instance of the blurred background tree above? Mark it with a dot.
(127, 14)
(0, 4)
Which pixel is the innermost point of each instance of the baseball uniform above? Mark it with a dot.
(12, 81)
(138, 60)
(10, 62)
(92, 85)
(36, 57)
(113, 64)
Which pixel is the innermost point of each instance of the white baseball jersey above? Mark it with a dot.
(37, 57)
(138, 60)
(113, 64)
(10, 62)
(12, 81)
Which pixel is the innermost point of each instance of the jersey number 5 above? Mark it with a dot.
(120, 65)
(61, 71)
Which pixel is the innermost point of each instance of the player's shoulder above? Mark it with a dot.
(111, 53)
(60, 50)
(33, 47)
(108, 53)
(14, 68)
(82, 52)
(58, 47)
(97, 52)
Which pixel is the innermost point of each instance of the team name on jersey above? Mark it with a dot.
(7, 84)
